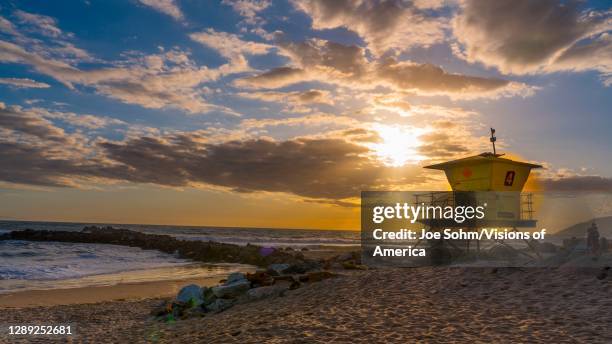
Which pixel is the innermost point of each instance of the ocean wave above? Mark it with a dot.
(54, 260)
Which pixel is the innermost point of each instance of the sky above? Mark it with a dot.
(270, 113)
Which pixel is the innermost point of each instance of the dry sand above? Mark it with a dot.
(395, 305)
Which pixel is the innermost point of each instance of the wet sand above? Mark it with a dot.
(96, 294)
(392, 305)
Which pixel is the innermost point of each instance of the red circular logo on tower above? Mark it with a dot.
(467, 173)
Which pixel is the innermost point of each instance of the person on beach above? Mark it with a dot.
(593, 239)
(604, 246)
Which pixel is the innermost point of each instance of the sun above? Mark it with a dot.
(399, 144)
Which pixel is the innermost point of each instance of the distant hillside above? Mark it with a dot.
(604, 225)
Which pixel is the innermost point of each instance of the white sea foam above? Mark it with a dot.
(54, 260)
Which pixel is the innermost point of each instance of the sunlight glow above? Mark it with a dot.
(399, 144)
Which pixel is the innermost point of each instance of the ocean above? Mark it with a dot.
(47, 265)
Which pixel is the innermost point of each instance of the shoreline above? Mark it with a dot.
(130, 291)
(134, 291)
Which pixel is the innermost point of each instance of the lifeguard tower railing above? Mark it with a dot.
(522, 217)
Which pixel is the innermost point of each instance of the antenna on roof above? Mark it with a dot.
(493, 139)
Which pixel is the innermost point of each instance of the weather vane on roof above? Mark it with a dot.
(493, 139)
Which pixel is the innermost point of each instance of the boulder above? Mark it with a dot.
(277, 269)
(287, 278)
(208, 296)
(231, 290)
(219, 305)
(196, 250)
(235, 277)
(302, 267)
(260, 279)
(191, 295)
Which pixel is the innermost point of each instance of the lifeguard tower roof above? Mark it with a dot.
(485, 172)
(480, 158)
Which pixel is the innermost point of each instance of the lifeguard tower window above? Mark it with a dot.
(509, 178)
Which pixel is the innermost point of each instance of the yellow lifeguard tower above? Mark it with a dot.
(484, 179)
(486, 172)
(488, 178)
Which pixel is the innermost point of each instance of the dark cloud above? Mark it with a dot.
(13, 118)
(41, 165)
(26, 164)
(318, 168)
(579, 184)
(346, 60)
(274, 78)
(383, 25)
(523, 36)
(433, 79)
(314, 168)
(440, 145)
(312, 96)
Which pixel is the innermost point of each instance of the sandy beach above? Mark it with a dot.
(96, 294)
(390, 305)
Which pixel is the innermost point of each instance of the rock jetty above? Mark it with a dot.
(203, 251)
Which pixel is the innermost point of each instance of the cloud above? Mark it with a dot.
(23, 83)
(296, 98)
(56, 43)
(442, 145)
(274, 78)
(248, 8)
(44, 25)
(578, 183)
(595, 55)
(28, 164)
(384, 25)
(33, 150)
(77, 120)
(313, 168)
(168, 7)
(317, 119)
(427, 79)
(13, 118)
(343, 61)
(166, 80)
(328, 62)
(231, 46)
(533, 36)
(61, 71)
(7, 27)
